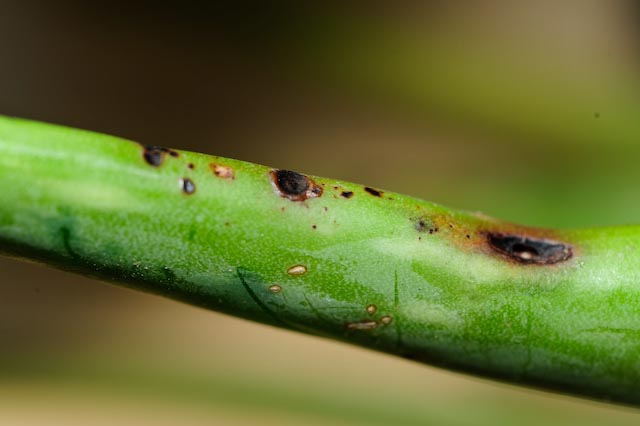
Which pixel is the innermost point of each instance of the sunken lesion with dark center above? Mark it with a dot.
(529, 250)
(187, 185)
(294, 186)
(154, 155)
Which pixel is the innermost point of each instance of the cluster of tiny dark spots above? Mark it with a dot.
(425, 225)
(373, 192)
(188, 187)
(154, 155)
(347, 194)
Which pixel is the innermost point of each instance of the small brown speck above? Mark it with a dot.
(297, 270)
(372, 309)
(191, 166)
(187, 185)
(314, 226)
(386, 320)
(223, 172)
(275, 289)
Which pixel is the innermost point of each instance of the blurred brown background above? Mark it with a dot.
(525, 110)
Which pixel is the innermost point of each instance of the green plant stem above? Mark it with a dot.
(551, 309)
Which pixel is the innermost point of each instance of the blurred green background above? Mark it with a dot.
(527, 111)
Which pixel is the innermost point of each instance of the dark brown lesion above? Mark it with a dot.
(374, 192)
(529, 250)
(154, 155)
(347, 194)
(294, 186)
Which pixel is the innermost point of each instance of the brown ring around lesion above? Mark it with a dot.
(294, 186)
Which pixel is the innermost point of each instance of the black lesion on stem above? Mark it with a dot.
(374, 192)
(529, 250)
(294, 186)
(188, 187)
(154, 155)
